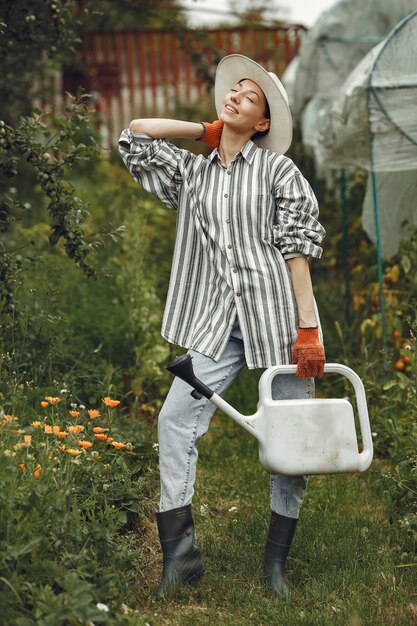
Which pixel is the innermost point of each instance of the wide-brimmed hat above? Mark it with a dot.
(236, 67)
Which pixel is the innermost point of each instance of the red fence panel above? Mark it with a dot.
(150, 73)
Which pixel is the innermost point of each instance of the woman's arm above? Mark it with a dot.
(303, 291)
(166, 128)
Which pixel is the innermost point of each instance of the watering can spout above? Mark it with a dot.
(182, 367)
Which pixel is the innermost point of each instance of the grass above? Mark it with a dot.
(343, 567)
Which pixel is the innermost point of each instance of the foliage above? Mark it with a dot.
(134, 14)
(73, 492)
(30, 34)
(44, 149)
(390, 376)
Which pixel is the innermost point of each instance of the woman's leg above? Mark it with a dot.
(183, 420)
(287, 495)
(287, 492)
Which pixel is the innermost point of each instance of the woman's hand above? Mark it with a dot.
(212, 133)
(309, 353)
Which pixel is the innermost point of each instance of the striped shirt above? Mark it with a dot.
(236, 225)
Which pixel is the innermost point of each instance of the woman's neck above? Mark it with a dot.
(230, 144)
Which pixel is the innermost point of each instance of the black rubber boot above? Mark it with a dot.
(278, 543)
(182, 559)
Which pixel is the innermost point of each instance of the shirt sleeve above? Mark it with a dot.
(155, 164)
(297, 230)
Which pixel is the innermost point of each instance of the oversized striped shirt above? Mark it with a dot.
(236, 225)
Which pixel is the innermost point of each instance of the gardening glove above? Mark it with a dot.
(212, 133)
(308, 353)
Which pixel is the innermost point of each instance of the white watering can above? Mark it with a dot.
(298, 437)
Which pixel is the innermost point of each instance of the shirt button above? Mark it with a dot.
(229, 246)
(229, 172)
(235, 269)
(238, 294)
(228, 220)
(226, 195)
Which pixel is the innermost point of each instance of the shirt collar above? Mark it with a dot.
(247, 151)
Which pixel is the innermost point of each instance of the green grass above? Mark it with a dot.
(342, 566)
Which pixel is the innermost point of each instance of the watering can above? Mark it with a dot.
(298, 437)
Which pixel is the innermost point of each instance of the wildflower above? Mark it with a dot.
(16, 431)
(47, 428)
(95, 455)
(9, 453)
(118, 445)
(10, 418)
(22, 466)
(62, 434)
(37, 471)
(84, 444)
(109, 439)
(44, 404)
(56, 430)
(101, 437)
(62, 448)
(97, 429)
(93, 413)
(75, 429)
(102, 607)
(73, 452)
(52, 399)
(74, 413)
(110, 403)
(36, 424)
(50, 456)
(27, 438)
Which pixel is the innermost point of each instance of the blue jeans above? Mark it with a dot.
(183, 420)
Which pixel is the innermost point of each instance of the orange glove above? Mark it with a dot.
(212, 133)
(309, 353)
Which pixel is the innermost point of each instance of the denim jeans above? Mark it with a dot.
(183, 420)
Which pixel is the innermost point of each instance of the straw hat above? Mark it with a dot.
(236, 67)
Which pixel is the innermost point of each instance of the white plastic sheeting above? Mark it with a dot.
(380, 98)
(338, 41)
(397, 209)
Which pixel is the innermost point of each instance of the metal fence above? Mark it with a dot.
(144, 74)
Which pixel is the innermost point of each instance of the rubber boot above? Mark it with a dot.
(278, 543)
(182, 559)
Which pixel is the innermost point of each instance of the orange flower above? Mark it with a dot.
(97, 429)
(52, 400)
(74, 413)
(15, 431)
(101, 437)
(73, 452)
(75, 429)
(37, 471)
(62, 434)
(111, 403)
(93, 413)
(44, 404)
(27, 438)
(56, 430)
(84, 444)
(118, 445)
(51, 455)
(22, 466)
(109, 439)
(47, 428)
(62, 448)
(10, 418)
(36, 424)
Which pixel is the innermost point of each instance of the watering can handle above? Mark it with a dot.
(182, 367)
(334, 368)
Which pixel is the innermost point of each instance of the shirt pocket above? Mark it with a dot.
(257, 216)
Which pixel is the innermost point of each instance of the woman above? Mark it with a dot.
(240, 291)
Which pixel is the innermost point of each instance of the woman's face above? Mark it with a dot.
(244, 108)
